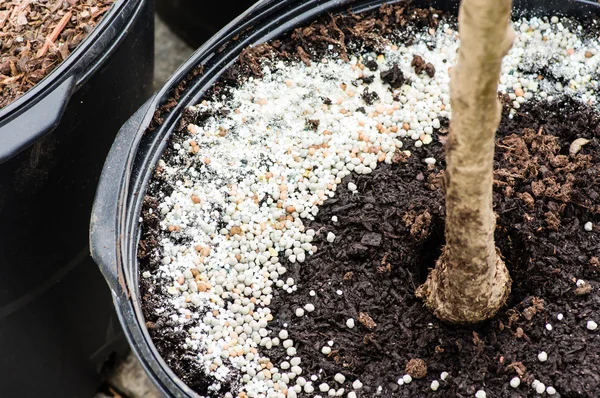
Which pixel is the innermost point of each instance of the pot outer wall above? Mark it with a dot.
(196, 21)
(58, 327)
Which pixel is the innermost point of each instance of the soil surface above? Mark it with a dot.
(347, 33)
(36, 36)
(391, 231)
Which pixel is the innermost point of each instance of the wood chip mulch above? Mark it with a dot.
(37, 35)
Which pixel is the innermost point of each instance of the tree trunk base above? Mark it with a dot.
(465, 301)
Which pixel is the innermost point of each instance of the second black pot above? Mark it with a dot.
(196, 21)
(58, 327)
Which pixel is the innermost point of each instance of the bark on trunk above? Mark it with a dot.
(470, 281)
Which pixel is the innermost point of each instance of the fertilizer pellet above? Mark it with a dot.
(339, 378)
(515, 382)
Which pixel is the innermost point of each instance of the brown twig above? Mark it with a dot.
(303, 55)
(54, 35)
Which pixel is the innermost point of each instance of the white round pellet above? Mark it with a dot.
(340, 378)
(560, 317)
(323, 387)
(357, 385)
(515, 382)
(542, 356)
(480, 394)
(299, 312)
(591, 325)
(588, 226)
(444, 375)
(326, 350)
(540, 388)
(435, 385)
(407, 379)
(352, 394)
(550, 390)
(548, 327)
(309, 307)
(350, 323)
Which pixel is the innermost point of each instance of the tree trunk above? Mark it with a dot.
(470, 281)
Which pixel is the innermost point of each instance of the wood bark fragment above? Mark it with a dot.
(55, 33)
(470, 282)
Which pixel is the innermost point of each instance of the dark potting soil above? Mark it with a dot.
(348, 33)
(389, 234)
(36, 36)
(391, 231)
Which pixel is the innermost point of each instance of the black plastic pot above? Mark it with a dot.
(58, 326)
(196, 21)
(115, 219)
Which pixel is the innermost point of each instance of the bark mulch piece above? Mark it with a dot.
(391, 231)
(37, 35)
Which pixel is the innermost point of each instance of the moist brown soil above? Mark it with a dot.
(37, 35)
(391, 231)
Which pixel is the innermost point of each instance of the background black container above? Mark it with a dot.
(196, 21)
(57, 323)
(115, 224)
